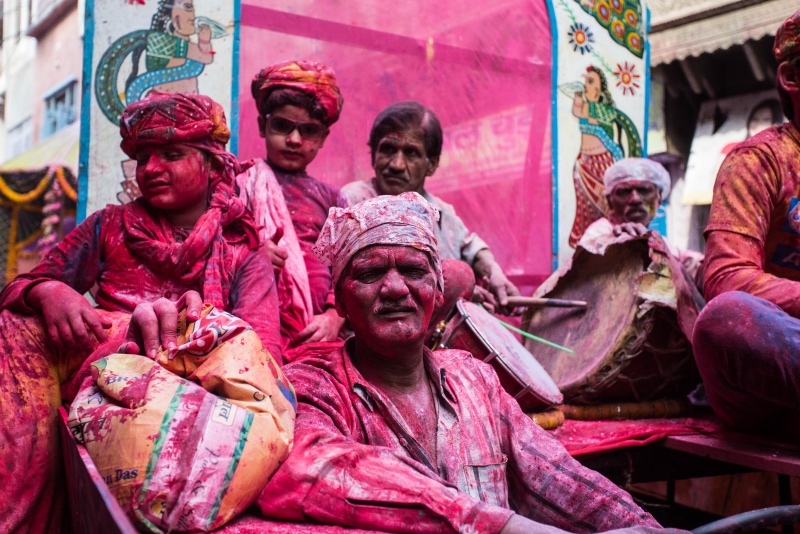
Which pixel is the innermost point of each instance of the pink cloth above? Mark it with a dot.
(260, 190)
(586, 437)
(600, 234)
(456, 242)
(309, 77)
(356, 462)
(96, 252)
(403, 220)
(309, 201)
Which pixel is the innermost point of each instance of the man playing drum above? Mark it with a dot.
(405, 143)
(747, 339)
(634, 189)
(393, 437)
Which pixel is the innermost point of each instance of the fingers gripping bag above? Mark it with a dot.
(186, 442)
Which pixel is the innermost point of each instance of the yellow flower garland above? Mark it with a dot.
(30, 196)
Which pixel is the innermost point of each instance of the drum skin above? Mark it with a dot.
(476, 331)
(627, 347)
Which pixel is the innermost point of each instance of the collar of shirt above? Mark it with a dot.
(374, 400)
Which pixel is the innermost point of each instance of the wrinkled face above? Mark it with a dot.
(173, 177)
(388, 293)
(183, 17)
(291, 151)
(592, 87)
(634, 201)
(401, 163)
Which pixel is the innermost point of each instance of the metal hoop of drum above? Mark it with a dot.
(631, 341)
(476, 331)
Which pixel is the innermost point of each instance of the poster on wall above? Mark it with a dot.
(721, 125)
(135, 47)
(600, 97)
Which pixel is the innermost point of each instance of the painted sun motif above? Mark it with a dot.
(580, 37)
(627, 78)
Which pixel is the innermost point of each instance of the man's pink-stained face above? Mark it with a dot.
(388, 292)
(634, 201)
(287, 147)
(401, 163)
(174, 177)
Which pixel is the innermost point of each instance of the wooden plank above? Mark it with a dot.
(93, 509)
(741, 449)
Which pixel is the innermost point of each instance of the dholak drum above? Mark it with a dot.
(474, 330)
(630, 342)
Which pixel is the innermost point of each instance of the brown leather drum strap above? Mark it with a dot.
(549, 420)
(629, 410)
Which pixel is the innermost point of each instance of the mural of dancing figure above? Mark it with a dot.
(172, 60)
(606, 133)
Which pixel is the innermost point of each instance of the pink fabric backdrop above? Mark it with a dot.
(482, 66)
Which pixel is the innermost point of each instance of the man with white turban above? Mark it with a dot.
(393, 437)
(634, 189)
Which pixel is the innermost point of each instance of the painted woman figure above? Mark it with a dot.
(172, 61)
(597, 116)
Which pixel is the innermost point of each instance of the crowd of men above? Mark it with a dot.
(389, 435)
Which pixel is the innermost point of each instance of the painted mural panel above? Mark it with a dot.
(132, 48)
(600, 79)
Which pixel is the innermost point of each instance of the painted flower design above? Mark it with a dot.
(627, 78)
(580, 37)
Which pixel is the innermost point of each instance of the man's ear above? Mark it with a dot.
(433, 164)
(262, 126)
(439, 297)
(788, 77)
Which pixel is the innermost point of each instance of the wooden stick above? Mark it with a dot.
(555, 303)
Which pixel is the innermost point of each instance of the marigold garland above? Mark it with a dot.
(30, 196)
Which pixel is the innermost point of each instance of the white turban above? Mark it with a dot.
(405, 220)
(643, 169)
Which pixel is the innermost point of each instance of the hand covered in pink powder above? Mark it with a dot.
(70, 320)
(323, 327)
(155, 324)
(277, 254)
(489, 273)
(631, 228)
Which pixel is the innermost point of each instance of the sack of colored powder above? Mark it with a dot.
(187, 442)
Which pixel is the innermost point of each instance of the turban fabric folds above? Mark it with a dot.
(403, 220)
(642, 169)
(787, 39)
(306, 76)
(195, 121)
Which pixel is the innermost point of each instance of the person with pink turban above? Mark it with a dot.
(394, 437)
(188, 239)
(297, 102)
(634, 189)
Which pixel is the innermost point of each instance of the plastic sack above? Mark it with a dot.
(188, 454)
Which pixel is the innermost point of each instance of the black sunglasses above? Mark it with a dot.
(307, 130)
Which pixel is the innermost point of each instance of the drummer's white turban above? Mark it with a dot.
(405, 220)
(637, 169)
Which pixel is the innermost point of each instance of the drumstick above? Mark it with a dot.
(535, 338)
(554, 303)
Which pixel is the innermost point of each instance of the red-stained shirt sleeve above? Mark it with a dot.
(547, 485)
(331, 478)
(75, 261)
(745, 197)
(254, 299)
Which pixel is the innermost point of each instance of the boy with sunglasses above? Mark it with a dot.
(297, 101)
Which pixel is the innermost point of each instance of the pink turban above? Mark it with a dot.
(404, 220)
(307, 76)
(787, 39)
(642, 169)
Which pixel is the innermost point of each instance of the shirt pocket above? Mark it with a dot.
(487, 482)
